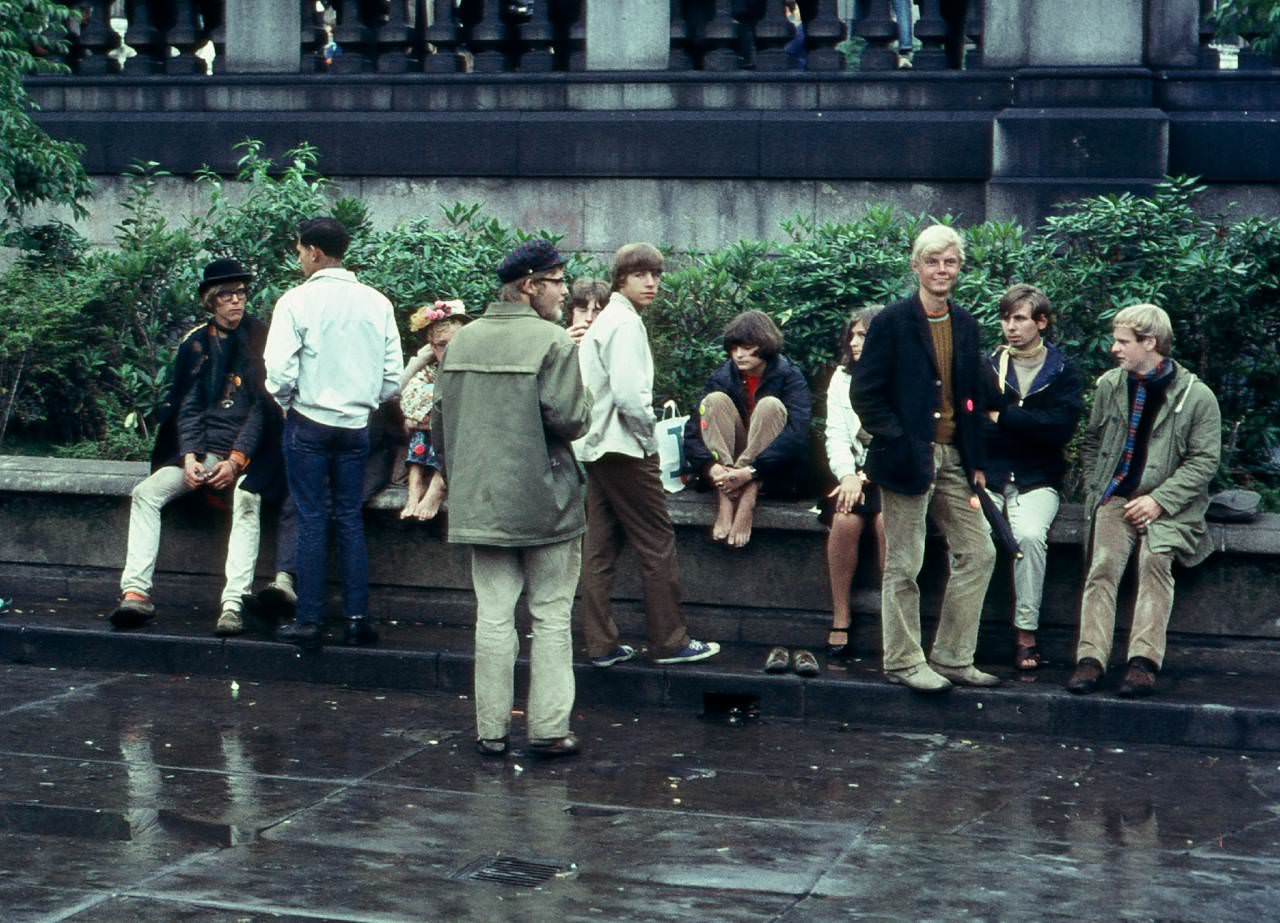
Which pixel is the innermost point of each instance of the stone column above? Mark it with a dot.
(1173, 33)
(262, 38)
(635, 35)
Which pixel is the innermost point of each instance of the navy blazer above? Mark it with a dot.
(896, 394)
(783, 467)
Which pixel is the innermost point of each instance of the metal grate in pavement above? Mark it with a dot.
(511, 870)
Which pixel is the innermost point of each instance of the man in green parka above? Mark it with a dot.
(1150, 450)
(508, 401)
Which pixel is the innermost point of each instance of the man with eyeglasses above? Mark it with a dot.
(508, 402)
(918, 389)
(212, 426)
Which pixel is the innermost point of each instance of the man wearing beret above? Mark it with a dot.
(508, 402)
(212, 426)
(333, 355)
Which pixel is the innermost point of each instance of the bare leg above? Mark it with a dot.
(724, 513)
(740, 533)
(417, 487)
(842, 564)
(430, 504)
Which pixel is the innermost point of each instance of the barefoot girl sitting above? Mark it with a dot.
(440, 321)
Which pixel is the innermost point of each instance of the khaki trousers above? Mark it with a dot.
(152, 495)
(549, 575)
(730, 441)
(972, 557)
(1030, 515)
(1113, 541)
(626, 504)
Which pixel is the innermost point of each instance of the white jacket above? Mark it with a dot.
(617, 368)
(333, 351)
(845, 454)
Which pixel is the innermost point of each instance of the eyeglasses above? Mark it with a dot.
(236, 294)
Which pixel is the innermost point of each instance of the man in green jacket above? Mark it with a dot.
(508, 402)
(1150, 450)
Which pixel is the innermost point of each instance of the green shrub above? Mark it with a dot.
(86, 336)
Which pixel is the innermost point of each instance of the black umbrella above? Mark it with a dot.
(1001, 531)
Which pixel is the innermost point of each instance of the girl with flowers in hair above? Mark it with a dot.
(439, 322)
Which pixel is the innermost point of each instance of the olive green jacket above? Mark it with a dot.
(1182, 458)
(508, 401)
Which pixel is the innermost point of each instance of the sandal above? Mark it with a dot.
(839, 650)
(1026, 657)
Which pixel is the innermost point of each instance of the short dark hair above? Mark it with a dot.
(754, 328)
(637, 257)
(325, 234)
(1034, 298)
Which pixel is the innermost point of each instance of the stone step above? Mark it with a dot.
(1199, 703)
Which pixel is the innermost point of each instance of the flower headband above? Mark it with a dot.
(428, 314)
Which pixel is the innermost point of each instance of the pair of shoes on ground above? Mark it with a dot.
(780, 660)
(550, 747)
(309, 635)
(935, 677)
(1139, 678)
(691, 652)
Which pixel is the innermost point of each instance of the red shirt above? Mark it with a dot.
(753, 385)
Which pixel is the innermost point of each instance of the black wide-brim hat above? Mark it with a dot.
(224, 269)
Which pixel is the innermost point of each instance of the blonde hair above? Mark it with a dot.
(1147, 320)
(209, 297)
(935, 239)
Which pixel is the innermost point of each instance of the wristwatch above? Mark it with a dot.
(751, 469)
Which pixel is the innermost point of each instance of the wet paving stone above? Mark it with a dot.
(158, 798)
(21, 686)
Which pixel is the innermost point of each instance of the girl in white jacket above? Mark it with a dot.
(854, 503)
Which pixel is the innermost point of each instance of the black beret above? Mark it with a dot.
(530, 257)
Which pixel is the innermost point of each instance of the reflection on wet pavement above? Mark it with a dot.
(178, 798)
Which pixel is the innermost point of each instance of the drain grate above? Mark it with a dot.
(511, 870)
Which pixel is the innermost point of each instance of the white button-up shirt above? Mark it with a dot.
(333, 351)
(617, 368)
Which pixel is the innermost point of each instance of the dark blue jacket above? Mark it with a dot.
(783, 467)
(1027, 444)
(896, 394)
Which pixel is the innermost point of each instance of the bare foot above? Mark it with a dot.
(724, 519)
(408, 511)
(740, 531)
(430, 504)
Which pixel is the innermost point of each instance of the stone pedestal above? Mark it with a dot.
(1084, 33)
(262, 38)
(635, 35)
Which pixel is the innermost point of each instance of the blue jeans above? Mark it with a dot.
(901, 12)
(325, 467)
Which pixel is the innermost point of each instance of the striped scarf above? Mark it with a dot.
(1135, 419)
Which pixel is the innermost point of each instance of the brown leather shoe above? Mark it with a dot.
(1086, 677)
(555, 746)
(1139, 679)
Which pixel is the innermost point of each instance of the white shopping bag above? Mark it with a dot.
(669, 431)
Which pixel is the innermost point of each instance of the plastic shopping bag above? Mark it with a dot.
(669, 432)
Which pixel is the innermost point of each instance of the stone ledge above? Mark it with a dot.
(20, 474)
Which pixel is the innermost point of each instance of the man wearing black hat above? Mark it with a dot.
(508, 402)
(212, 426)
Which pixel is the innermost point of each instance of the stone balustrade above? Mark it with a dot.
(186, 37)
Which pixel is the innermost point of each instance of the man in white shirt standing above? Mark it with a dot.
(625, 499)
(332, 356)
